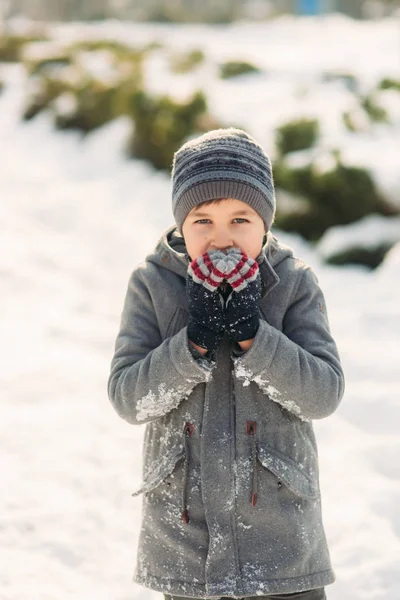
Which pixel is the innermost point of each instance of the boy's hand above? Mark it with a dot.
(206, 315)
(242, 304)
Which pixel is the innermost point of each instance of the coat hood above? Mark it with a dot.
(170, 253)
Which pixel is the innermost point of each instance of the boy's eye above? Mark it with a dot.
(236, 219)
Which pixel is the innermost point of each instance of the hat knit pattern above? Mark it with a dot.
(222, 163)
(214, 267)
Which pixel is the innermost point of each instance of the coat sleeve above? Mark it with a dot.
(298, 367)
(150, 377)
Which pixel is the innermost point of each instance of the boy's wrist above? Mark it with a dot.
(199, 349)
(246, 344)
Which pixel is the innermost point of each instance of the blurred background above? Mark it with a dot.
(95, 98)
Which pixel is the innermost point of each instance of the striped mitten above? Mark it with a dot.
(231, 283)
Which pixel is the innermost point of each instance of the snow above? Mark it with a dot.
(246, 376)
(369, 232)
(38, 51)
(76, 219)
(65, 105)
(390, 268)
(156, 404)
(99, 64)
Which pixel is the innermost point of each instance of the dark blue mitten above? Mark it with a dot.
(206, 307)
(242, 303)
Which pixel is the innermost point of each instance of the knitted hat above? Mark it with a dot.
(222, 163)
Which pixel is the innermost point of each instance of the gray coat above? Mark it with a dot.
(231, 498)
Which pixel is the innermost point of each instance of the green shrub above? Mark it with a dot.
(193, 13)
(296, 135)
(161, 125)
(45, 65)
(339, 196)
(154, 45)
(368, 257)
(65, 108)
(120, 50)
(234, 68)
(34, 106)
(184, 63)
(375, 112)
(348, 121)
(165, 14)
(95, 103)
(11, 46)
(389, 84)
(46, 90)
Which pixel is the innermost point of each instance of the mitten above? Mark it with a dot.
(206, 306)
(242, 303)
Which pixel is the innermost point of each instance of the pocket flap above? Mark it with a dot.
(160, 469)
(287, 470)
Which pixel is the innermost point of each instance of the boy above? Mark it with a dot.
(225, 352)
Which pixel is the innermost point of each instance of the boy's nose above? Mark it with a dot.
(222, 242)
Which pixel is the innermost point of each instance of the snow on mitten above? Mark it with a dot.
(242, 304)
(206, 315)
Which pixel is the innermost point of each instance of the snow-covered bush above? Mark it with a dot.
(388, 83)
(348, 79)
(186, 62)
(234, 68)
(161, 125)
(365, 242)
(91, 77)
(375, 112)
(11, 46)
(93, 107)
(42, 57)
(42, 90)
(296, 135)
(356, 120)
(224, 11)
(121, 52)
(339, 195)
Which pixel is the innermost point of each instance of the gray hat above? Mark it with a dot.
(222, 163)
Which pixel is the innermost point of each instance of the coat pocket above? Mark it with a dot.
(160, 469)
(288, 471)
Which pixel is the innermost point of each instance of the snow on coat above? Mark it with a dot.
(231, 497)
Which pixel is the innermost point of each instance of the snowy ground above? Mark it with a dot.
(75, 220)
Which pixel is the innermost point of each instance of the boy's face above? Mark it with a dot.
(222, 225)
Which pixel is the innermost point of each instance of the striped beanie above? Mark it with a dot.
(222, 163)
